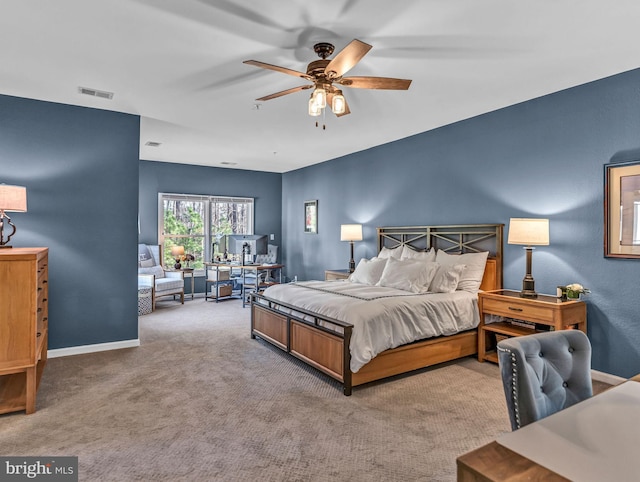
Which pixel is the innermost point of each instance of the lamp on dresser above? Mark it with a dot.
(528, 232)
(12, 198)
(351, 233)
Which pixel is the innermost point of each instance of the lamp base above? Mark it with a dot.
(528, 294)
(528, 287)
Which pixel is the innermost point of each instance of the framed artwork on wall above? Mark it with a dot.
(311, 217)
(622, 210)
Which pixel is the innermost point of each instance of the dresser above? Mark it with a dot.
(24, 320)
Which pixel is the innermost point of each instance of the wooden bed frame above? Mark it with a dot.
(309, 337)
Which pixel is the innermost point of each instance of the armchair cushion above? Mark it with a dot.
(165, 284)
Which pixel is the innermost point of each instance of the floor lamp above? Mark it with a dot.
(351, 233)
(528, 232)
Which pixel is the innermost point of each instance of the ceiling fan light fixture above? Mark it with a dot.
(338, 105)
(320, 97)
(314, 110)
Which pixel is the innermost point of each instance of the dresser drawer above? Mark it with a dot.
(518, 310)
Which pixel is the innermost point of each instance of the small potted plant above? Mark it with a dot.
(574, 290)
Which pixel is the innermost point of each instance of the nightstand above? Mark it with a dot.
(524, 316)
(336, 274)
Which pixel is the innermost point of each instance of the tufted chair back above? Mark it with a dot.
(544, 373)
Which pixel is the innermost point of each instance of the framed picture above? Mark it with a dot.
(622, 210)
(311, 217)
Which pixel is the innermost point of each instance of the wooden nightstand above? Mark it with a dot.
(544, 311)
(335, 274)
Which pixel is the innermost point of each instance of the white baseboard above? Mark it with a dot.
(81, 350)
(606, 377)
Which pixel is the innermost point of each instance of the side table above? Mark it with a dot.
(522, 315)
(188, 272)
(336, 274)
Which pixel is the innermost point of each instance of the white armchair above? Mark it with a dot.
(152, 275)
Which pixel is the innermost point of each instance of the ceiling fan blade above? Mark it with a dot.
(277, 68)
(346, 58)
(375, 83)
(285, 92)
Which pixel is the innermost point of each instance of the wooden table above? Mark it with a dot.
(495, 462)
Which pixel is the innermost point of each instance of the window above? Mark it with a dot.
(199, 222)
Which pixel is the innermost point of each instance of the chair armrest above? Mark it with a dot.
(174, 274)
(146, 280)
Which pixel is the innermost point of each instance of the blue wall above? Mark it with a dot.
(265, 187)
(542, 158)
(80, 168)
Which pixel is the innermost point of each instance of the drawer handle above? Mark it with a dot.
(515, 309)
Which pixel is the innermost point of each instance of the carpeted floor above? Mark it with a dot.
(200, 401)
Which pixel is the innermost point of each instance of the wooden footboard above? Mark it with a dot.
(304, 335)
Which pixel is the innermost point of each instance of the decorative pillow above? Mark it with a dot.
(145, 256)
(446, 278)
(368, 271)
(390, 253)
(154, 270)
(410, 253)
(412, 275)
(474, 268)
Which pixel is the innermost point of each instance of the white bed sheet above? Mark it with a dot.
(382, 317)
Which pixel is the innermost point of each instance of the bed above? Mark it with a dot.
(323, 323)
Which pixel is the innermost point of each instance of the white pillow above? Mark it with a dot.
(390, 253)
(446, 278)
(410, 253)
(412, 275)
(155, 270)
(368, 271)
(474, 268)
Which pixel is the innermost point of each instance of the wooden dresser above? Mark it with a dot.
(23, 326)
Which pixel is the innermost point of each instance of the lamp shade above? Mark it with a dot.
(177, 251)
(528, 231)
(351, 232)
(13, 198)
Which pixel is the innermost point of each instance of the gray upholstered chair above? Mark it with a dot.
(544, 373)
(151, 274)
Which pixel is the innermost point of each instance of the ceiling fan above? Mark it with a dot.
(324, 73)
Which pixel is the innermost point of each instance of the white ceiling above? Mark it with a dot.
(178, 64)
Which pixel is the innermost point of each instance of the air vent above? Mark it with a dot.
(96, 93)
(153, 144)
(227, 163)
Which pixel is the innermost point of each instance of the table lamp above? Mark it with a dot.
(529, 232)
(351, 233)
(13, 199)
(177, 252)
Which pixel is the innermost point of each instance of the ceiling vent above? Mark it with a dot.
(153, 144)
(96, 93)
(227, 163)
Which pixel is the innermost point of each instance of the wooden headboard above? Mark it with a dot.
(463, 238)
